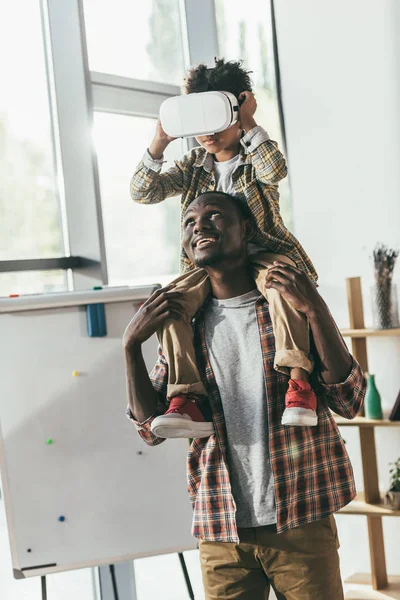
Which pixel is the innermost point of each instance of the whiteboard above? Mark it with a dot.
(120, 498)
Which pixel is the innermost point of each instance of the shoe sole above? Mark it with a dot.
(300, 417)
(180, 428)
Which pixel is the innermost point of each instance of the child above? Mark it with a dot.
(244, 162)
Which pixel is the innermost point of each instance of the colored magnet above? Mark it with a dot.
(61, 518)
(49, 442)
(75, 373)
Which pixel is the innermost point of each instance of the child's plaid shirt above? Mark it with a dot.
(261, 167)
(313, 476)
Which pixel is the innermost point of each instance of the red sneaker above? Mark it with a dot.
(183, 419)
(301, 404)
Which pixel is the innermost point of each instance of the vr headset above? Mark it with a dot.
(197, 114)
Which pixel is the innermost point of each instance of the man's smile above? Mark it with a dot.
(204, 241)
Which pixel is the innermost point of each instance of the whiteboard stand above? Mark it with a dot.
(44, 587)
(117, 582)
(186, 575)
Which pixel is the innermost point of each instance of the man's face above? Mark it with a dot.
(213, 230)
(224, 140)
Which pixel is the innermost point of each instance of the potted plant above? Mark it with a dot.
(393, 495)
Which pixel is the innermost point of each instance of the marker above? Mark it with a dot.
(13, 296)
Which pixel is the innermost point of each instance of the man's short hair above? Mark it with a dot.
(240, 205)
(226, 76)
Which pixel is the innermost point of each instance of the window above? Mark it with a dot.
(142, 242)
(245, 32)
(142, 40)
(30, 224)
(32, 282)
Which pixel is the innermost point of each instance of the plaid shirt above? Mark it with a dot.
(261, 166)
(312, 473)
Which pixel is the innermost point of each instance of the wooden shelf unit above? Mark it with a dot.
(364, 422)
(363, 333)
(359, 506)
(369, 503)
(358, 587)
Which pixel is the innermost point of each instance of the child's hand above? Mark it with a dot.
(161, 135)
(247, 109)
(160, 142)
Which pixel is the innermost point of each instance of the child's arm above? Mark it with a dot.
(267, 159)
(148, 184)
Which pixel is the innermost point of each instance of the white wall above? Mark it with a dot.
(340, 69)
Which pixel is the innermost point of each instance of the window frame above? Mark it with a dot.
(75, 94)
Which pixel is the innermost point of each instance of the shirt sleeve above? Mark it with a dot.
(267, 159)
(155, 164)
(150, 186)
(346, 399)
(159, 380)
(254, 138)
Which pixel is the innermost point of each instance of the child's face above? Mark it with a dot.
(222, 141)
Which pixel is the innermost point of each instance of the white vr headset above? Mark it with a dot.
(203, 113)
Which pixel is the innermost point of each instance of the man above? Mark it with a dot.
(263, 494)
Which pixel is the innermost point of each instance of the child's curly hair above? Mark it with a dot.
(226, 76)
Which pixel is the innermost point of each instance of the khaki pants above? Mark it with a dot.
(176, 337)
(300, 564)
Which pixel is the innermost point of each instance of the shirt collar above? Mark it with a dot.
(205, 159)
(198, 318)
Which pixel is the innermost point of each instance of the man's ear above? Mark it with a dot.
(249, 230)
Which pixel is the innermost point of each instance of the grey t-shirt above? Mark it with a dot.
(234, 348)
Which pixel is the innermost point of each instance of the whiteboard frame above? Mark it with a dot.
(50, 301)
(80, 298)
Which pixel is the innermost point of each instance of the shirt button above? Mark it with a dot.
(248, 144)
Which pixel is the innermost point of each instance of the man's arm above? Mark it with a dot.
(159, 381)
(144, 398)
(342, 379)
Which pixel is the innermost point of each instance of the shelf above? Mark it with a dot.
(364, 422)
(358, 587)
(358, 506)
(362, 333)
(373, 512)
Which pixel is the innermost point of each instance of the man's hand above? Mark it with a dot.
(161, 305)
(295, 286)
(247, 110)
(335, 361)
(160, 142)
